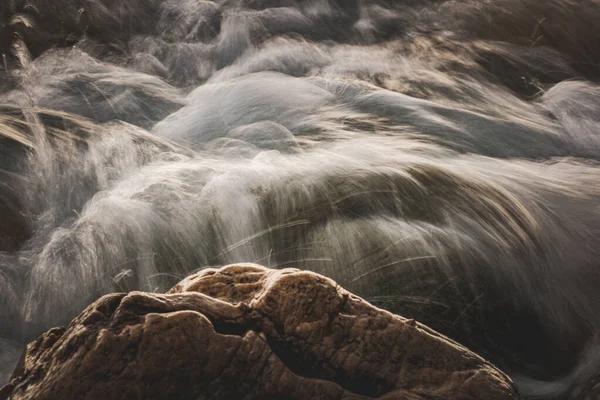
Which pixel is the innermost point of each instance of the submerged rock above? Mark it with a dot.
(244, 331)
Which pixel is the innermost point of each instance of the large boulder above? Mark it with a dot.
(245, 331)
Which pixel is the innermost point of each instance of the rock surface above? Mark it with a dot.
(244, 331)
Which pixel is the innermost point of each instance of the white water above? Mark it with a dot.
(438, 158)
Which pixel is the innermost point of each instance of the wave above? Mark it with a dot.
(438, 158)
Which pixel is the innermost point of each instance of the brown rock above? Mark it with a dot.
(247, 332)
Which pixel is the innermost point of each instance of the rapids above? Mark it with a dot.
(440, 158)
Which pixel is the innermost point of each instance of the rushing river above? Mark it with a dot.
(438, 158)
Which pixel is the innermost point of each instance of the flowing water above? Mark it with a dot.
(439, 158)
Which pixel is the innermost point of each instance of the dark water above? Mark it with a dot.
(439, 158)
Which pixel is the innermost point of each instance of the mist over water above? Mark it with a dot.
(438, 158)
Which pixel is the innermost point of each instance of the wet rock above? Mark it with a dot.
(244, 331)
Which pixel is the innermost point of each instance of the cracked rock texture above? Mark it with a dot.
(247, 332)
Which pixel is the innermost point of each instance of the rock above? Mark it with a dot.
(43, 24)
(245, 331)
